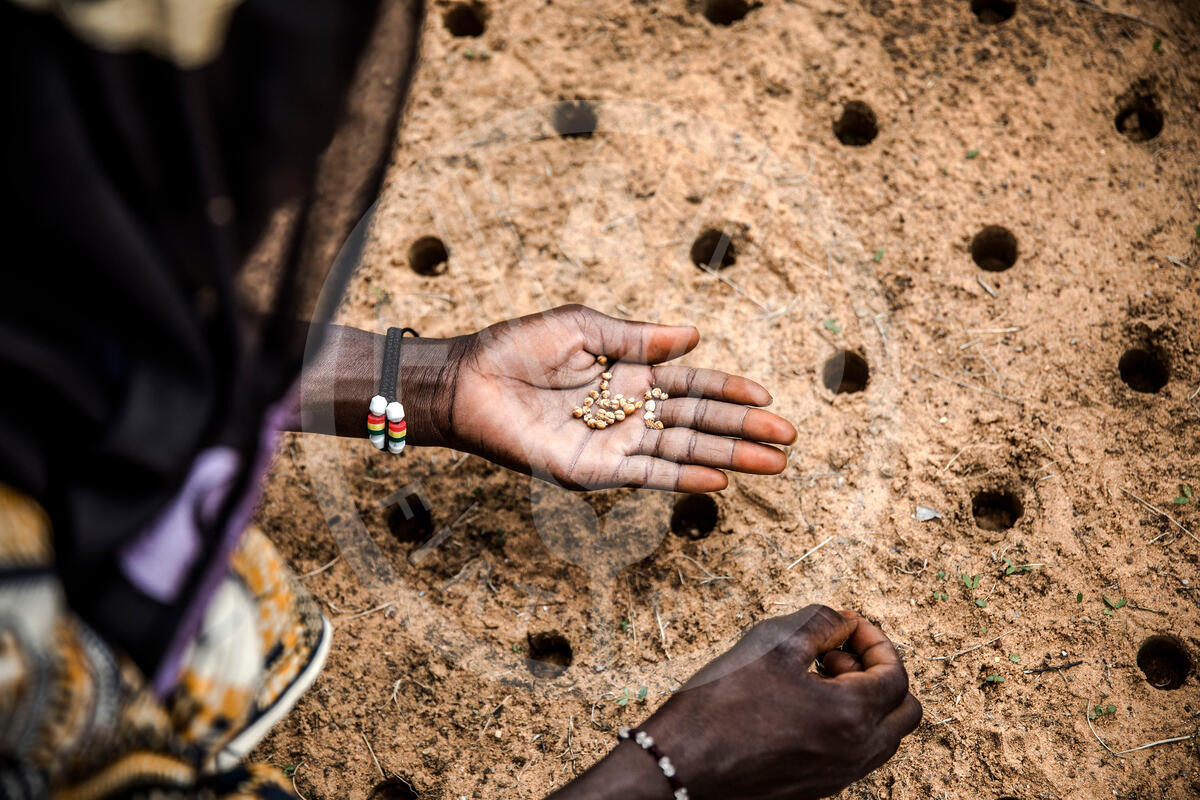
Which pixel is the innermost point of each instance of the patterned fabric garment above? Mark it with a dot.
(79, 721)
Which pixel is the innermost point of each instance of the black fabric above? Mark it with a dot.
(122, 346)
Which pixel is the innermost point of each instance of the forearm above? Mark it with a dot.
(337, 384)
(628, 773)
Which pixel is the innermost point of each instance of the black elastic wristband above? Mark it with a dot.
(391, 362)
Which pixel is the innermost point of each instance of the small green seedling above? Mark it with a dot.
(1010, 567)
(1013, 657)
(995, 677)
(625, 697)
(289, 770)
(1185, 495)
(981, 603)
(517, 649)
(879, 255)
(1079, 597)
(1198, 231)
(1114, 604)
(832, 326)
(1102, 711)
(941, 574)
(642, 692)
(973, 153)
(468, 54)
(1157, 46)
(624, 625)
(970, 581)
(940, 596)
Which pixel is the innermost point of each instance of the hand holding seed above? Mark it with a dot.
(551, 394)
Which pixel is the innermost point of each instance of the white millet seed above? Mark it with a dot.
(650, 405)
(601, 424)
(620, 415)
(606, 376)
(577, 413)
(593, 394)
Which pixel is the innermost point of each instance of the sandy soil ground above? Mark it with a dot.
(962, 246)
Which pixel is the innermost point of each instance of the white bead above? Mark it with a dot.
(378, 439)
(644, 740)
(623, 732)
(650, 405)
(667, 767)
(395, 411)
(378, 404)
(396, 447)
(648, 416)
(681, 794)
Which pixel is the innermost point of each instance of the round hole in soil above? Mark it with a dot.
(993, 12)
(549, 654)
(725, 12)
(1140, 118)
(994, 248)
(1143, 370)
(996, 510)
(428, 256)
(465, 19)
(694, 516)
(846, 372)
(857, 126)
(575, 118)
(410, 521)
(1165, 662)
(713, 249)
(392, 789)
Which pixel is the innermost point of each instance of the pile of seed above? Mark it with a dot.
(601, 408)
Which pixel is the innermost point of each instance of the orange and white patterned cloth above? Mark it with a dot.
(78, 720)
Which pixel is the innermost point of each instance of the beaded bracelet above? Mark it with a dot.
(385, 414)
(646, 742)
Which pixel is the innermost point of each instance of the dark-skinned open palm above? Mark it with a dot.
(515, 391)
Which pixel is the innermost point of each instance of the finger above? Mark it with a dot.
(639, 342)
(687, 446)
(726, 419)
(903, 720)
(883, 675)
(839, 662)
(647, 472)
(806, 635)
(710, 383)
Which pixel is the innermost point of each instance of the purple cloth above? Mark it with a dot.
(159, 561)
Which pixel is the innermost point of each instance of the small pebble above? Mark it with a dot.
(620, 415)
(650, 406)
(649, 415)
(578, 412)
(638, 404)
(593, 394)
(601, 424)
(602, 360)
(647, 395)
(605, 394)
(658, 426)
(587, 401)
